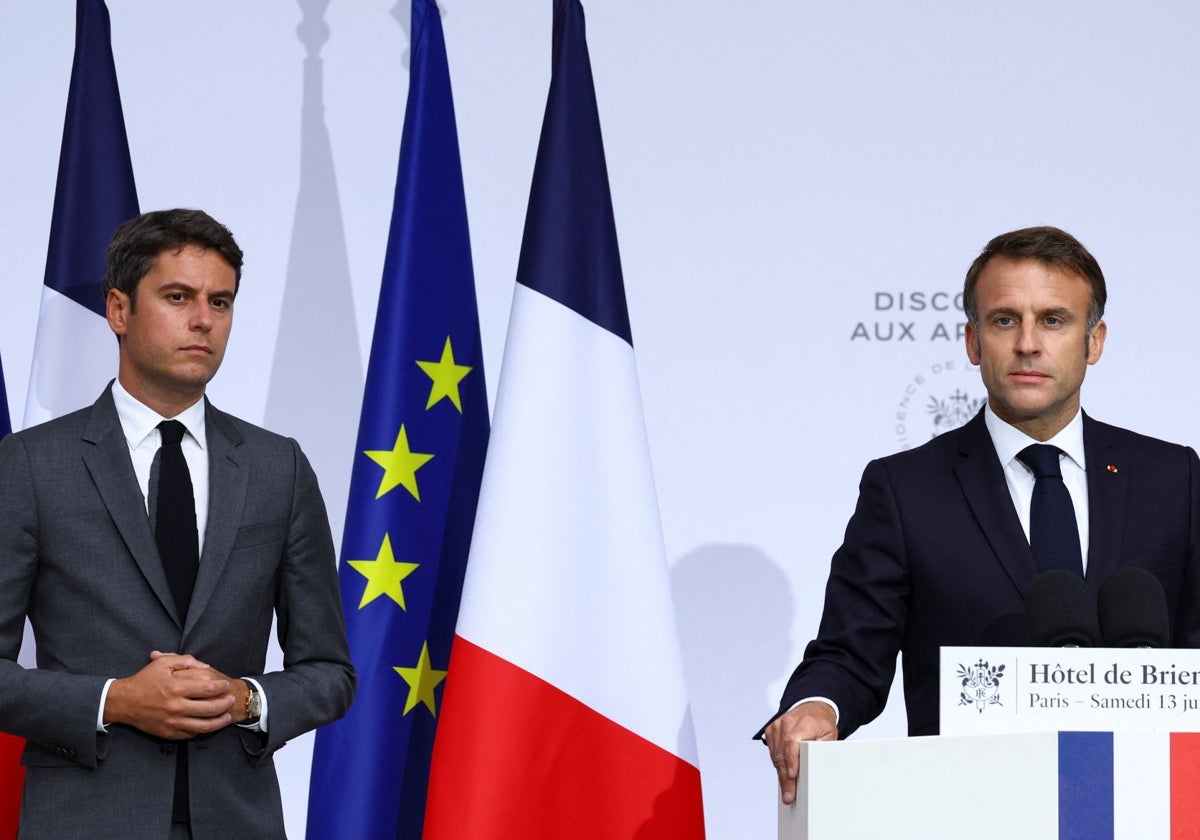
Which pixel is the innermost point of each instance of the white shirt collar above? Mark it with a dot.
(139, 421)
(1009, 440)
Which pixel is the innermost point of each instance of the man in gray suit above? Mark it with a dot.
(149, 714)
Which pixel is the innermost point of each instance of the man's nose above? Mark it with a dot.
(201, 315)
(1027, 339)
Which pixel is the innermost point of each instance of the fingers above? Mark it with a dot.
(173, 696)
(176, 661)
(205, 698)
(785, 758)
(185, 717)
(184, 727)
(199, 684)
(787, 768)
(811, 721)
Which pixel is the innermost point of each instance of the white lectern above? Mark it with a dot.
(1136, 781)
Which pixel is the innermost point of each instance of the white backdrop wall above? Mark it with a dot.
(794, 183)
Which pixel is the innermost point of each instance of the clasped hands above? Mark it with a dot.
(176, 696)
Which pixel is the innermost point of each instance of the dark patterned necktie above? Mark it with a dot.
(179, 547)
(175, 517)
(1053, 529)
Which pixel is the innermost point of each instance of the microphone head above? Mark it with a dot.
(1133, 610)
(1061, 611)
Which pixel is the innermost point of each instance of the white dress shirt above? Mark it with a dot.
(140, 425)
(1010, 441)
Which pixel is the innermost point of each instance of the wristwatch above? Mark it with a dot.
(253, 702)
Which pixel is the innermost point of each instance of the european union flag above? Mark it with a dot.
(415, 481)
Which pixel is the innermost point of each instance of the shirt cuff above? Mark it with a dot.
(837, 714)
(100, 727)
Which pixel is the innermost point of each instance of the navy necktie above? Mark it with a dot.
(1053, 529)
(179, 547)
(175, 517)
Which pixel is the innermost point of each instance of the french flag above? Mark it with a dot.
(565, 712)
(75, 353)
(12, 774)
(1128, 786)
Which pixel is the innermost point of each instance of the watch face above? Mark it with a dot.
(253, 701)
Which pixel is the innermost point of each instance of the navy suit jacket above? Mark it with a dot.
(935, 555)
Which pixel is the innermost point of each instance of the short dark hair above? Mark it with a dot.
(1049, 246)
(136, 244)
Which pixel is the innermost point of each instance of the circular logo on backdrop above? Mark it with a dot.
(941, 397)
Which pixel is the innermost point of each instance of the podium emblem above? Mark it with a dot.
(980, 685)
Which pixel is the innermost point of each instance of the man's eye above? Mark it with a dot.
(1053, 321)
(1004, 321)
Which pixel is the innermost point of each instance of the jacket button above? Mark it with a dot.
(166, 749)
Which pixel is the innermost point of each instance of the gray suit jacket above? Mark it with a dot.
(77, 555)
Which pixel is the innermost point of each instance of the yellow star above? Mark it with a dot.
(400, 465)
(383, 575)
(422, 680)
(445, 375)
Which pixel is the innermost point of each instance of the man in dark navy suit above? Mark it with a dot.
(937, 551)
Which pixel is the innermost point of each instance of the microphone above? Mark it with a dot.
(1133, 610)
(1061, 611)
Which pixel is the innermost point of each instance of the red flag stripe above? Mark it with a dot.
(12, 780)
(552, 768)
(1185, 785)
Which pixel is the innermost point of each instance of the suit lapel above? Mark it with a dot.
(111, 468)
(1106, 502)
(982, 481)
(227, 482)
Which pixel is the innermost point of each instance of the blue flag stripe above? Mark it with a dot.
(95, 191)
(1085, 786)
(570, 252)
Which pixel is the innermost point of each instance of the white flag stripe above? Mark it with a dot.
(1141, 785)
(567, 534)
(74, 357)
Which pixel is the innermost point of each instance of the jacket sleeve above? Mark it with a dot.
(317, 682)
(1187, 612)
(54, 710)
(852, 661)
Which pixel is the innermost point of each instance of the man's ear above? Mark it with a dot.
(117, 307)
(1095, 345)
(972, 339)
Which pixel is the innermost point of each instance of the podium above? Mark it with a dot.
(1140, 782)
(1027, 786)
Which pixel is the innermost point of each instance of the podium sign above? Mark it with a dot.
(996, 690)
